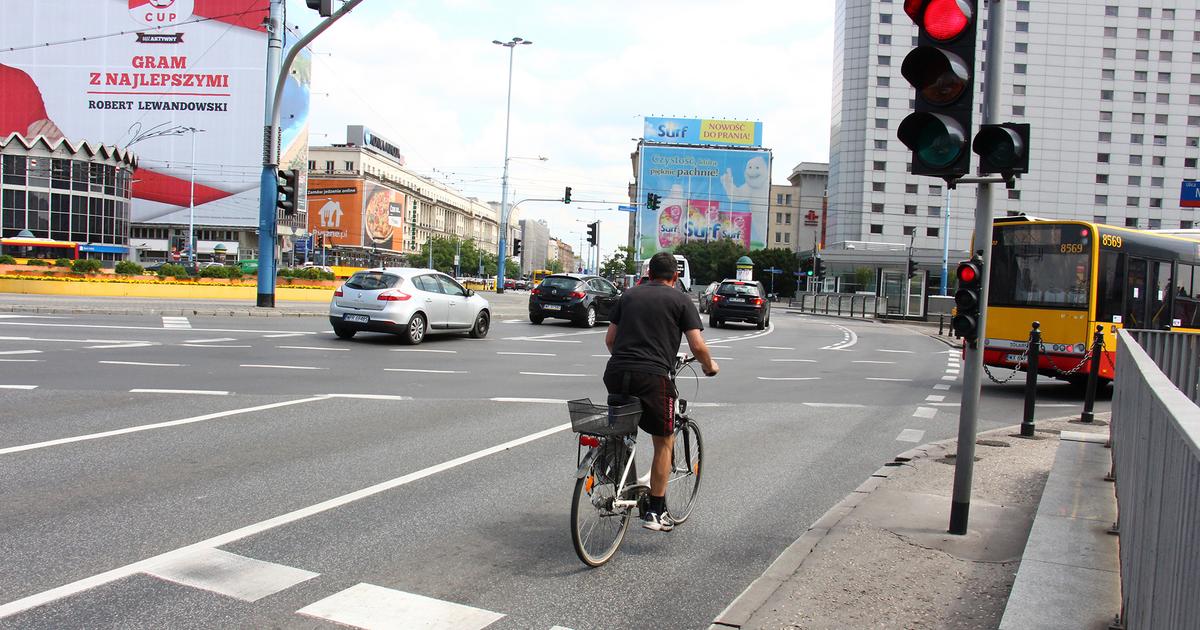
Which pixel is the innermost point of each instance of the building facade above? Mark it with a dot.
(1110, 88)
(67, 192)
(796, 210)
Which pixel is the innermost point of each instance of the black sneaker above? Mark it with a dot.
(657, 522)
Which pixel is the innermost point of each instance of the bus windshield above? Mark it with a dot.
(1041, 266)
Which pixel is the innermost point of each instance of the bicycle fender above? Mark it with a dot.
(586, 464)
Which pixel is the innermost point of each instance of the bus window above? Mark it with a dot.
(1160, 295)
(1135, 295)
(1041, 266)
(1110, 289)
(1186, 305)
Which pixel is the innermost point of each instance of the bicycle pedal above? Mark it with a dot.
(637, 490)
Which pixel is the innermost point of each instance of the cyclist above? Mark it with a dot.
(643, 337)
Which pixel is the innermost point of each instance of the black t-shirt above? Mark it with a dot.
(651, 320)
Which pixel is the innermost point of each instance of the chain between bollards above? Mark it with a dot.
(1031, 374)
(1089, 402)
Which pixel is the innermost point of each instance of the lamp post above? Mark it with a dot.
(502, 253)
(192, 202)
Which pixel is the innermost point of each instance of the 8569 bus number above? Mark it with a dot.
(1071, 248)
(1110, 240)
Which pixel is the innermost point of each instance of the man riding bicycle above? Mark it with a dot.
(644, 337)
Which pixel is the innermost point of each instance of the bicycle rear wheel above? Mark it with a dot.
(597, 528)
(684, 482)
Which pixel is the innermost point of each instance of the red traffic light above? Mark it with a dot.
(943, 20)
(968, 273)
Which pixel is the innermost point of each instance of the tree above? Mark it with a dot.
(711, 261)
(785, 259)
(555, 266)
(619, 264)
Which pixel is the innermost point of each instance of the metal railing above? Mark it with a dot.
(1156, 465)
(841, 304)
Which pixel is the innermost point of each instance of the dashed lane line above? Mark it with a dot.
(314, 348)
(877, 362)
(217, 340)
(925, 412)
(834, 405)
(895, 351)
(141, 363)
(281, 367)
(175, 322)
(201, 392)
(941, 387)
(425, 350)
(911, 435)
(21, 360)
(18, 386)
(794, 360)
(883, 378)
(369, 606)
(550, 374)
(211, 345)
(773, 348)
(21, 352)
(424, 371)
(935, 398)
(548, 401)
(789, 378)
(537, 354)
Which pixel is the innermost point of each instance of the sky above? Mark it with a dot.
(426, 76)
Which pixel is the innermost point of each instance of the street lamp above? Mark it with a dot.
(158, 131)
(511, 46)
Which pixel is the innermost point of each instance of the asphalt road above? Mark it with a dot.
(249, 472)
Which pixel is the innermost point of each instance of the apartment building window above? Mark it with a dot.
(1023, 5)
(1104, 136)
(1140, 75)
(1143, 33)
(1110, 31)
(878, 187)
(1164, 77)
(935, 190)
(1160, 141)
(1156, 182)
(881, 123)
(1111, 11)
(1168, 14)
(1106, 95)
(1162, 98)
(877, 207)
(1193, 121)
(885, 39)
(1144, 12)
(1155, 224)
(909, 230)
(882, 81)
(1102, 158)
(1140, 55)
(778, 237)
(349, 165)
(1135, 160)
(787, 237)
(1166, 35)
(1099, 218)
(881, 102)
(885, 18)
(1019, 68)
(1021, 47)
(1022, 27)
(1138, 118)
(787, 201)
(1132, 202)
(1155, 202)
(1135, 180)
(881, 144)
(1135, 138)
(312, 165)
(787, 218)
(1018, 110)
(876, 228)
(1189, 162)
(778, 218)
(879, 165)
(883, 60)
(778, 202)
(910, 188)
(1109, 53)
(931, 232)
(1108, 74)
(1014, 194)
(329, 165)
(1019, 90)
(1192, 141)
(1164, 55)
(909, 209)
(933, 211)
(1160, 119)
(1186, 225)
(1105, 116)
(1131, 222)
(1138, 97)
(1195, 78)
(1101, 178)
(1101, 200)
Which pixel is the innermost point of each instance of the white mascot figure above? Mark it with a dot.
(756, 187)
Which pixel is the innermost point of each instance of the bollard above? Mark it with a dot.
(1031, 373)
(1089, 402)
(941, 322)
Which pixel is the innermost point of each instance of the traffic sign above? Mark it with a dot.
(773, 270)
(627, 208)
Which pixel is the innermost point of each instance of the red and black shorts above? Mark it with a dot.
(656, 392)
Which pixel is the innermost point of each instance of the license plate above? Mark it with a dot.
(358, 319)
(1014, 358)
(552, 307)
(738, 300)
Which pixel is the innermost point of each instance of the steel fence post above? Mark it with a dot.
(1032, 358)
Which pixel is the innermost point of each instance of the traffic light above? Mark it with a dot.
(967, 299)
(1002, 148)
(652, 201)
(820, 268)
(516, 247)
(942, 69)
(567, 195)
(593, 236)
(912, 268)
(323, 7)
(285, 199)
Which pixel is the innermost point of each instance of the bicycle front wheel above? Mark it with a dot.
(597, 528)
(684, 482)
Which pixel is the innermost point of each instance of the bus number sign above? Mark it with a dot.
(1071, 248)
(1111, 240)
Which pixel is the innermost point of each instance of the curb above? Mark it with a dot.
(756, 595)
(69, 310)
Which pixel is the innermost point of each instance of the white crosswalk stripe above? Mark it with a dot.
(368, 606)
(231, 575)
(175, 322)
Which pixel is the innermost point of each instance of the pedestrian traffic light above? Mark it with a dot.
(652, 201)
(323, 7)
(285, 199)
(593, 236)
(516, 247)
(912, 268)
(567, 195)
(1002, 148)
(968, 299)
(942, 69)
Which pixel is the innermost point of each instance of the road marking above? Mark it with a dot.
(605, 356)
(877, 362)
(941, 387)
(543, 340)
(21, 360)
(539, 354)
(157, 328)
(175, 322)
(21, 352)
(835, 405)
(773, 348)
(949, 378)
(112, 575)
(718, 347)
(423, 371)
(882, 378)
(925, 412)
(218, 340)
(910, 435)
(281, 367)
(549, 336)
(368, 606)
(942, 404)
(314, 348)
(707, 404)
(18, 386)
(229, 574)
(549, 374)
(203, 392)
(849, 338)
(424, 350)
(47, 339)
(370, 396)
(141, 363)
(512, 321)
(133, 344)
(896, 351)
(549, 401)
(793, 360)
(157, 425)
(935, 398)
(209, 345)
(6, 316)
(277, 336)
(789, 378)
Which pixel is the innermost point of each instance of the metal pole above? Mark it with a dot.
(1032, 361)
(192, 208)
(504, 179)
(1089, 402)
(946, 242)
(960, 504)
(268, 191)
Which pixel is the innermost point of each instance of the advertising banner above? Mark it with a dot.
(154, 76)
(382, 219)
(1189, 194)
(705, 194)
(335, 210)
(743, 133)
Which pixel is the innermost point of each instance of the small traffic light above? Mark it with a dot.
(652, 201)
(516, 247)
(323, 7)
(820, 268)
(1002, 148)
(912, 268)
(942, 69)
(567, 195)
(286, 191)
(593, 236)
(967, 299)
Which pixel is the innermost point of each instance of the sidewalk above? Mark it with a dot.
(882, 558)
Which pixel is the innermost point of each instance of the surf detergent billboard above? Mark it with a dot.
(143, 74)
(705, 194)
(743, 133)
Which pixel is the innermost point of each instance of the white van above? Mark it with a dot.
(685, 271)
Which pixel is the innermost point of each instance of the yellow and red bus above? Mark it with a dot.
(1071, 276)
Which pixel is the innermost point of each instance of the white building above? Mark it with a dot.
(1110, 87)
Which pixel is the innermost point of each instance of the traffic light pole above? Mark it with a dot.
(968, 419)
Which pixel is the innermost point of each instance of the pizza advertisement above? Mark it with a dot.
(382, 218)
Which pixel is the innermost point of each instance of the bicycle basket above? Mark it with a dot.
(604, 420)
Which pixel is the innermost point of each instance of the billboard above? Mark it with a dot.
(743, 133)
(1189, 194)
(354, 213)
(143, 74)
(706, 194)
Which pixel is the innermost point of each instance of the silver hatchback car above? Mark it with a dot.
(409, 302)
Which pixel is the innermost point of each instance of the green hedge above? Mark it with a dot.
(86, 265)
(37, 262)
(62, 262)
(5, 259)
(128, 268)
(306, 273)
(172, 270)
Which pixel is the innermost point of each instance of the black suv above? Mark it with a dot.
(741, 301)
(580, 298)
